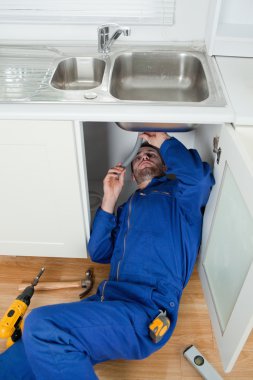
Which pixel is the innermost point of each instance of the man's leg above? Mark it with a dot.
(64, 341)
(14, 364)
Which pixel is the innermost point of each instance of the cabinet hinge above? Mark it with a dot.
(216, 148)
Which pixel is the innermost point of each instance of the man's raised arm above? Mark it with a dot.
(101, 243)
(194, 176)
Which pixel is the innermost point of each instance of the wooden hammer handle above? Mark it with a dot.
(52, 285)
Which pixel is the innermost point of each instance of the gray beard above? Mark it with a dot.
(147, 174)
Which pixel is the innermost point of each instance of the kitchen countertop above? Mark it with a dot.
(25, 73)
(237, 74)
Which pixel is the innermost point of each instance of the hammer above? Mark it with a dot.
(86, 283)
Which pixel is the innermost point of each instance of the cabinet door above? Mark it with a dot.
(40, 197)
(226, 260)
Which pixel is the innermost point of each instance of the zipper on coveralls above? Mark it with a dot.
(103, 290)
(157, 192)
(128, 225)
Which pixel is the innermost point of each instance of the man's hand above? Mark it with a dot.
(155, 138)
(113, 184)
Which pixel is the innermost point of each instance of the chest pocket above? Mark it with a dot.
(161, 255)
(148, 232)
(162, 227)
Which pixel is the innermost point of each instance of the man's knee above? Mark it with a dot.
(36, 324)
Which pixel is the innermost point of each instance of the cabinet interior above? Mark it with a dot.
(106, 145)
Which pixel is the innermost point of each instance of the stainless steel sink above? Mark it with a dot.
(159, 76)
(82, 73)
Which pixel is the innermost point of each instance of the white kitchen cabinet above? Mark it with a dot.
(43, 208)
(226, 260)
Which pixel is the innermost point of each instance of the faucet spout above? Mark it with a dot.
(104, 41)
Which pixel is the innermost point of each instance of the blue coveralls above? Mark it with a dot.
(152, 246)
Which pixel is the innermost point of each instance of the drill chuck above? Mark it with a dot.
(26, 295)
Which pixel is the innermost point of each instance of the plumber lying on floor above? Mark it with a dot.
(152, 246)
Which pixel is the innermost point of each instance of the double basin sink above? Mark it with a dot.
(184, 77)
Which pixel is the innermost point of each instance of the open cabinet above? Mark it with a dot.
(52, 173)
(106, 144)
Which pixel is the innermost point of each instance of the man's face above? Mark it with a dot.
(147, 164)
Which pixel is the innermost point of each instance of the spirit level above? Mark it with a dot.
(198, 361)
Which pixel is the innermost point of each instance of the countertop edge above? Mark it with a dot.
(105, 112)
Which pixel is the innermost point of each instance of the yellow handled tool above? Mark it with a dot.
(159, 326)
(12, 322)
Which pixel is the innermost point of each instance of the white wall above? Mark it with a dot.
(190, 21)
(236, 11)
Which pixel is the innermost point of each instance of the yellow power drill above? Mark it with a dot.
(12, 322)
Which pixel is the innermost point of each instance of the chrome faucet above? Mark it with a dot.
(104, 42)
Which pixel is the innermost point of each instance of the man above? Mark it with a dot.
(152, 246)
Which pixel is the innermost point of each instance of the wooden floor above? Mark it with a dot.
(168, 364)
